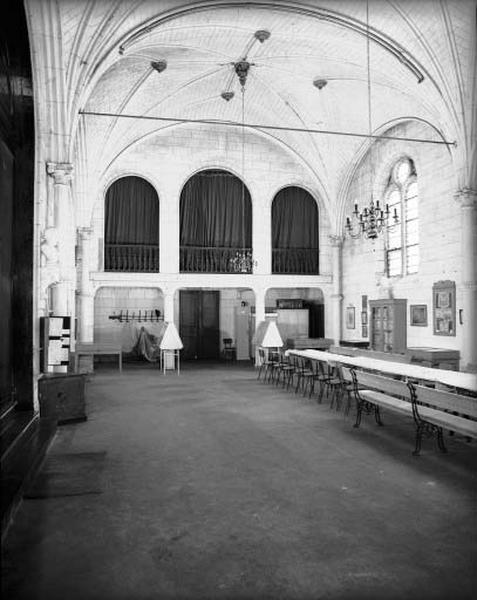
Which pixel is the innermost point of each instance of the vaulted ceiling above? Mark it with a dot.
(420, 67)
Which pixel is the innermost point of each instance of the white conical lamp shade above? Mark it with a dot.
(170, 338)
(268, 335)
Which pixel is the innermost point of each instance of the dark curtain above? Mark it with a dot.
(215, 211)
(294, 219)
(132, 212)
(295, 238)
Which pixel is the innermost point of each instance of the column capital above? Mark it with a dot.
(336, 241)
(467, 197)
(61, 172)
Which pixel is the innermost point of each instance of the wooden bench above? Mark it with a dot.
(92, 349)
(433, 410)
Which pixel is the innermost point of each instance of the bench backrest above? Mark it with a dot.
(387, 385)
(464, 405)
(393, 357)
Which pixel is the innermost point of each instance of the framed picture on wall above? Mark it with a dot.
(418, 315)
(443, 294)
(364, 331)
(364, 317)
(350, 318)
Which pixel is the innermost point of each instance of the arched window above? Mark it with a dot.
(295, 232)
(215, 222)
(131, 226)
(402, 253)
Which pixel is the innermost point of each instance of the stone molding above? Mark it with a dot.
(84, 233)
(466, 197)
(61, 172)
(336, 241)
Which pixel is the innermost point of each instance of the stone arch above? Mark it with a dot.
(215, 222)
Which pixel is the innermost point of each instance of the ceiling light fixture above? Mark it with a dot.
(227, 95)
(261, 35)
(159, 65)
(320, 83)
(372, 220)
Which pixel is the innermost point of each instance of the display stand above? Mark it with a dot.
(170, 345)
(268, 337)
(170, 360)
(55, 342)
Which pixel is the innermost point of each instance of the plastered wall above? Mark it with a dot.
(439, 233)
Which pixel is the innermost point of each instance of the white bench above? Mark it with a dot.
(433, 410)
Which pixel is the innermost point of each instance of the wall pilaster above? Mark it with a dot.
(467, 198)
(85, 295)
(336, 242)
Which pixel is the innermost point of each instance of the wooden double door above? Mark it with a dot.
(199, 324)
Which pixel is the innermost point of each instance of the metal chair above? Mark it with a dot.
(266, 365)
(229, 351)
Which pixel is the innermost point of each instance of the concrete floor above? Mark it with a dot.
(214, 485)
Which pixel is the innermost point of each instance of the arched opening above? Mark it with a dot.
(300, 315)
(216, 323)
(215, 222)
(127, 317)
(295, 239)
(131, 226)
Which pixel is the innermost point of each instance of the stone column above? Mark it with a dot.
(169, 304)
(336, 242)
(262, 237)
(63, 291)
(85, 294)
(169, 230)
(259, 314)
(468, 202)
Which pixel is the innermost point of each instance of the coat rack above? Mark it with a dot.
(125, 316)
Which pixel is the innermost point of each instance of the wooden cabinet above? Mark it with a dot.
(293, 323)
(440, 358)
(388, 325)
(62, 397)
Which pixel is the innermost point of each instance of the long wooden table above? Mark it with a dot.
(455, 379)
(92, 349)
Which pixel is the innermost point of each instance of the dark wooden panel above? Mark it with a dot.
(199, 323)
(209, 333)
(188, 322)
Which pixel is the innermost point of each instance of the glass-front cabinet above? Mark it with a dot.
(388, 325)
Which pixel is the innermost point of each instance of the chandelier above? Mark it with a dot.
(242, 261)
(370, 221)
(373, 219)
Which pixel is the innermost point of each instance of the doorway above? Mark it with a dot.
(199, 324)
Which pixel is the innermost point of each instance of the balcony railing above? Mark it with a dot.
(295, 261)
(199, 259)
(132, 258)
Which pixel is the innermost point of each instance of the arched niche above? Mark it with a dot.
(295, 232)
(215, 222)
(131, 226)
